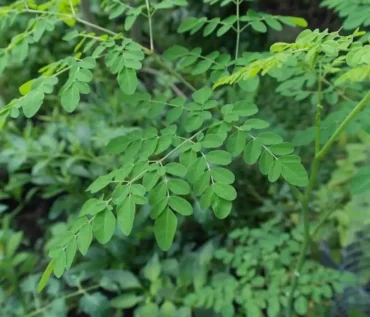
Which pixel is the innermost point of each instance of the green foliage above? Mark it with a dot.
(255, 279)
(156, 148)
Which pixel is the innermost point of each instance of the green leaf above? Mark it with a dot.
(60, 264)
(282, 148)
(158, 208)
(70, 98)
(224, 29)
(293, 171)
(32, 103)
(245, 108)
(222, 175)
(268, 138)
(252, 151)
(92, 207)
(212, 25)
(259, 26)
(301, 306)
(175, 52)
(178, 186)
(202, 95)
(84, 75)
(275, 171)
(219, 157)
(168, 309)
(187, 25)
(150, 179)
(193, 123)
(273, 23)
(221, 208)
(299, 21)
(174, 114)
(126, 301)
(196, 168)
(99, 184)
(180, 205)
(224, 191)
(236, 142)
(152, 269)
(266, 162)
(70, 252)
(104, 225)
(84, 238)
(202, 183)
(46, 275)
(126, 215)
(127, 80)
(202, 67)
(165, 229)
(212, 141)
(176, 169)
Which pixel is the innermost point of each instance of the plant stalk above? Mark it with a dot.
(307, 196)
(237, 28)
(150, 25)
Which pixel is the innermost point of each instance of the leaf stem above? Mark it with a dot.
(237, 3)
(150, 25)
(307, 196)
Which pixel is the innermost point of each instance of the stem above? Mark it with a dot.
(315, 168)
(360, 106)
(150, 25)
(237, 28)
(79, 292)
(318, 113)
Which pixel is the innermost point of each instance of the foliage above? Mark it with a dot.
(129, 113)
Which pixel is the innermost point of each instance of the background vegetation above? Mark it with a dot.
(242, 265)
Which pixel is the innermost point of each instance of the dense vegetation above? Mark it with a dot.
(184, 158)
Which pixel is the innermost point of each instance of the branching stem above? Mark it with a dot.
(150, 25)
(319, 156)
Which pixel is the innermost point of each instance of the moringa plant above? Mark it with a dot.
(182, 151)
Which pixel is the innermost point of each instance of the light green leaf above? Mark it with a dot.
(127, 300)
(127, 80)
(70, 252)
(259, 26)
(282, 148)
(175, 52)
(236, 142)
(293, 171)
(275, 171)
(268, 138)
(126, 215)
(252, 151)
(222, 175)
(178, 186)
(92, 207)
(202, 95)
(104, 225)
(32, 103)
(99, 184)
(221, 208)
(224, 191)
(46, 275)
(212, 141)
(301, 306)
(152, 269)
(219, 157)
(176, 169)
(187, 25)
(180, 205)
(265, 162)
(60, 264)
(70, 98)
(84, 238)
(165, 229)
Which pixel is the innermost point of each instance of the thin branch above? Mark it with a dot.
(150, 25)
